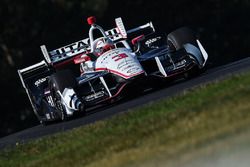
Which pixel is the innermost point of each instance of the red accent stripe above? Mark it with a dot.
(63, 63)
(101, 69)
(70, 60)
(118, 92)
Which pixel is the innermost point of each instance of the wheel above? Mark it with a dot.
(181, 36)
(177, 39)
(195, 71)
(43, 110)
(61, 111)
(58, 82)
(45, 123)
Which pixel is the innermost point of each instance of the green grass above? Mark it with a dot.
(167, 127)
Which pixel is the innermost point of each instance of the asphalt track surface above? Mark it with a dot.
(210, 75)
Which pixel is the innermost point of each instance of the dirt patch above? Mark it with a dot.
(227, 151)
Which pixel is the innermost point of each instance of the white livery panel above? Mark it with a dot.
(120, 62)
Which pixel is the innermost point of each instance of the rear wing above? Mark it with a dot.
(118, 33)
(32, 77)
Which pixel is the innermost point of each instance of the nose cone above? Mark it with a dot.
(91, 20)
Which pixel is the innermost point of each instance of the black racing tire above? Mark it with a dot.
(195, 71)
(181, 36)
(177, 39)
(45, 122)
(60, 108)
(58, 82)
(44, 109)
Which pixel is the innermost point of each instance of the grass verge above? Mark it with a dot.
(165, 128)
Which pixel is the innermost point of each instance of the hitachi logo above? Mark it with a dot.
(77, 47)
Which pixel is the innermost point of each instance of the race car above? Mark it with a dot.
(106, 66)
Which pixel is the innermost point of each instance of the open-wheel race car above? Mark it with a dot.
(103, 67)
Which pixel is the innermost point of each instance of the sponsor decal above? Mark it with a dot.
(80, 46)
(180, 64)
(152, 40)
(73, 48)
(133, 70)
(70, 50)
(121, 27)
(50, 100)
(119, 57)
(104, 57)
(126, 64)
(39, 81)
(94, 96)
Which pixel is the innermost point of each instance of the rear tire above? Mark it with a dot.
(58, 82)
(43, 110)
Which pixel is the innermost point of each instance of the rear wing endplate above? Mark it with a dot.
(31, 71)
(31, 77)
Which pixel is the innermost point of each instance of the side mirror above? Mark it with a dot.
(136, 40)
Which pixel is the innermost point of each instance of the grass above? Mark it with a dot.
(165, 128)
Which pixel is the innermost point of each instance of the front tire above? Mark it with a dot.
(177, 39)
(181, 36)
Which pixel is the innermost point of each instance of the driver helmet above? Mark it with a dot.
(108, 45)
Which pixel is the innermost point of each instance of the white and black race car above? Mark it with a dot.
(105, 66)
